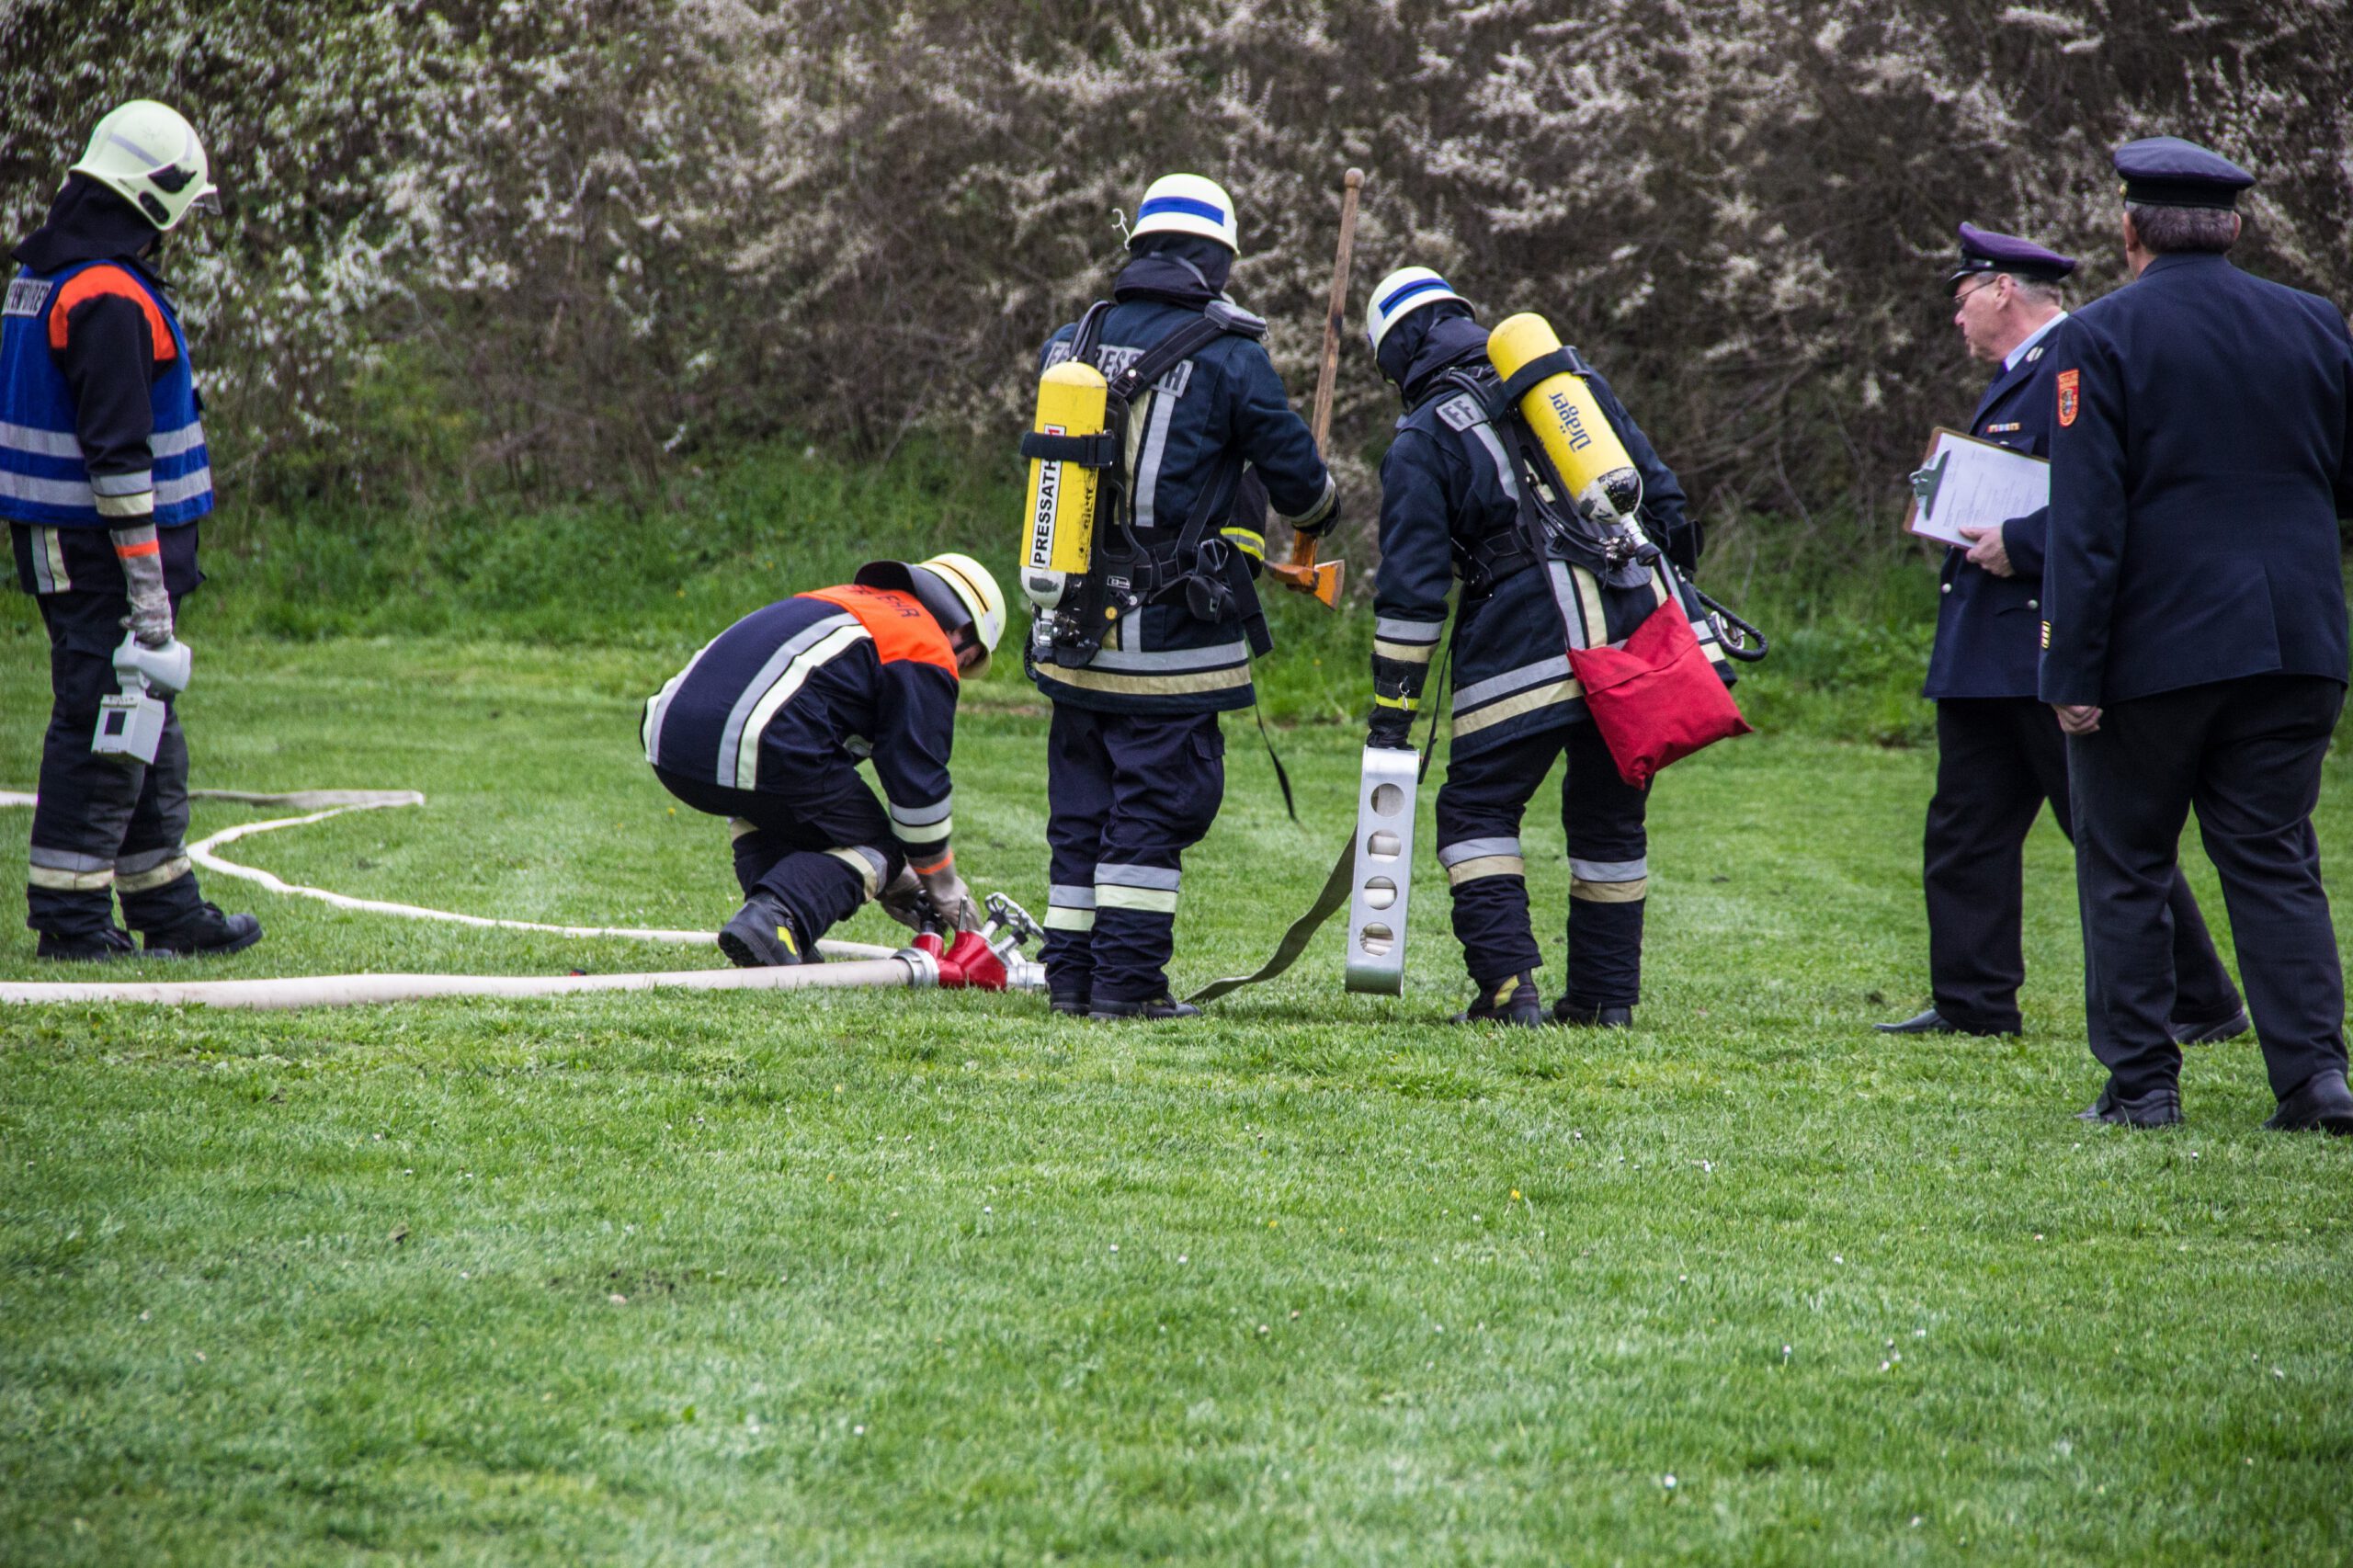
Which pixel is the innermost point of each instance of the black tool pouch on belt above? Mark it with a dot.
(1129, 571)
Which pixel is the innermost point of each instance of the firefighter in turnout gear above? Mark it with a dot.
(1462, 494)
(766, 725)
(103, 475)
(1136, 766)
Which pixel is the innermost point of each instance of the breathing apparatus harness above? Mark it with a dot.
(1620, 550)
(1133, 567)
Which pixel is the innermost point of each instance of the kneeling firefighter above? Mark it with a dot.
(767, 725)
(1162, 434)
(103, 474)
(1473, 487)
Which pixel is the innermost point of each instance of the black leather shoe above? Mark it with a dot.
(761, 935)
(2158, 1107)
(2213, 1033)
(2323, 1102)
(101, 947)
(1069, 1007)
(1934, 1022)
(206, 933)
(1511, 1001)
(1579, 1017)
(1156, 1011)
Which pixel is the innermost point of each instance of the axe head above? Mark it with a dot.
(1321, 578)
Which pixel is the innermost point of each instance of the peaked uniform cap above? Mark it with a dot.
(2166, 171)
(1981, 250)
(1187, 204)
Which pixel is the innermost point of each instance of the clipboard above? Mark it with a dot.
(1965, 482)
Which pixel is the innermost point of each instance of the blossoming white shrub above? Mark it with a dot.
(610, 233)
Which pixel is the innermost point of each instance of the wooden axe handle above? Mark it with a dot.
(1303, 546)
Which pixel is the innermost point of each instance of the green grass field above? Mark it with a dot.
(936, 1277)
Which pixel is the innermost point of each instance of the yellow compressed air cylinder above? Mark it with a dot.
(1568, 420)
(1060, 541)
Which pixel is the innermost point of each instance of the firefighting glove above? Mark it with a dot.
(1330, 517)
(1391, 727)
(950, 897)
(903, 900)
(142, 558)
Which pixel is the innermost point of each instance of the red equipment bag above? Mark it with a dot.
(1656, 698)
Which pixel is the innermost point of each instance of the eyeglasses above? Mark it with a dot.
(1961, 296)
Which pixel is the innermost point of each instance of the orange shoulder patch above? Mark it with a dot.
(901, 627)
(97, 281)
(2069, 396)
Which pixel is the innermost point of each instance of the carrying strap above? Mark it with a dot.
(1561, 361)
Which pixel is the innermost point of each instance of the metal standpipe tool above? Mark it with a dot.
(1385, 869)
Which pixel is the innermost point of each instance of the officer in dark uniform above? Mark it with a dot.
(103, 474)
(1999, 751)
(2194, 629)
(1451, 504)
(1135, 765)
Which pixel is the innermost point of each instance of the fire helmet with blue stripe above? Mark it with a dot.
(1399, 295)
(1187, 204)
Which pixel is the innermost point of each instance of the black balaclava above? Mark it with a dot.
(1426, 343)
(86, 222)
(1183, 269)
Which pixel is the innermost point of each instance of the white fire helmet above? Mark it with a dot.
(957, 589)
(151, 157)
(1399, 295)
(1187, 204)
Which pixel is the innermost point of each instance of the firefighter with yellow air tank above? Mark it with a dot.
(1517, 470)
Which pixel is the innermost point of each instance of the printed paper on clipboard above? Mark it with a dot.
(1966, 483)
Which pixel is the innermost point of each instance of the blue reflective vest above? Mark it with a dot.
(43, 478)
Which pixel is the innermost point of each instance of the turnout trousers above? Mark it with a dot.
(817, 840)
(1479, 810)
(2244, 754)
(1127, 794)
(1999, 758)
(103, 828)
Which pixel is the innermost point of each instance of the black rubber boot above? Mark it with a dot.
(96, 946)
(208, 933)
(1156, 1011)
(1576, 1015)
(1069, 1004)
(762, 936)
(1512, 1000)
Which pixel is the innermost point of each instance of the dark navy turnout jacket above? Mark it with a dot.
(2201, 455)
(1191, 436)
(1989, 640)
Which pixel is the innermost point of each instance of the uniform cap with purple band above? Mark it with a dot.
(1981, 250)
(2166, 171)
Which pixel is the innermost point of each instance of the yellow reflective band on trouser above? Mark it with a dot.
(1409, 704)
(1069, 907)
(170, 870)
(1463, 871)
(1610, 892)
(1250, 541)
(867, 863)
(59, 880)
(738, 827)
(1404, 652)
(1154, 901)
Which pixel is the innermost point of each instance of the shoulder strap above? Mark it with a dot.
(1216, 321)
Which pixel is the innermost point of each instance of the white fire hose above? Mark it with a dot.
(870, 966)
